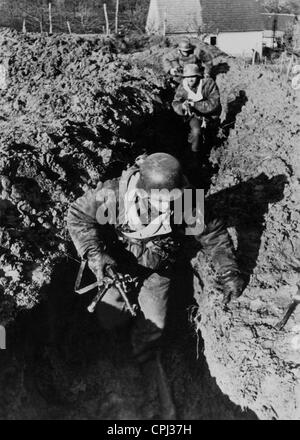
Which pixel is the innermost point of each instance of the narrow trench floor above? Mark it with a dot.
(60, 365)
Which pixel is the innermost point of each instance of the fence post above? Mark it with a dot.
(117, 16)
(50, 18)
(289, 67)
(69, 27)
(24, 26)
(165, 24)
(281, 62)
(106, 19)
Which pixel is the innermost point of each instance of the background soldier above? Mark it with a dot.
(187, 53)
(197, 99)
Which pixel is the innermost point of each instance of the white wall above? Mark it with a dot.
(153, 24)
(240, 43)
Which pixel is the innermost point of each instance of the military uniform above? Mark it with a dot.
(176, 59)
(151, 257)
(206, 110)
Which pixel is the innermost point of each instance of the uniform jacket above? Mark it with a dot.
(88, 235)
(175, 59)
(209, 106)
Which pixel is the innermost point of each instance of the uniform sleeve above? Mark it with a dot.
(205, 58)
(83, 226)
(169, 61)
(179, 99)
(207, 61)
(166, 64)
(210, 232)
(211, 103)
(216, 243)
(208, 68)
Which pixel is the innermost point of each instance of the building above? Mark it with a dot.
(276, 26)
(234, 26)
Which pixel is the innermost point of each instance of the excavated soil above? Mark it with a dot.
(256, 191)
(74, 112)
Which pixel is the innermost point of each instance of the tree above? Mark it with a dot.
(134, 14)
(282, 6)
(83, 15)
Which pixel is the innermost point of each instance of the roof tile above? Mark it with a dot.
(232, 15)
(210, 15)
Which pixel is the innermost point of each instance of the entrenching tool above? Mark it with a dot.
(292, 307)
(123, 283)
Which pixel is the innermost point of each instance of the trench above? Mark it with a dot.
(59, 364)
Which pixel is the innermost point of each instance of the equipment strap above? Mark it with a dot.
(83, 290)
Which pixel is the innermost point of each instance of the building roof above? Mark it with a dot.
(181, 15)
(184, 16)
(278, 22)
(232, 15)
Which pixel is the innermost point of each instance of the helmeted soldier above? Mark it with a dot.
(197, 99)
(111, 226)
(187, 53)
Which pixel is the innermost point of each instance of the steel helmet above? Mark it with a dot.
(191, 70)
(161, 171)
(185, 45)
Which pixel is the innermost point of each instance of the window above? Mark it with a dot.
(213, 41)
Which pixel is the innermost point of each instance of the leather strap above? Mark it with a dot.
(83, 290)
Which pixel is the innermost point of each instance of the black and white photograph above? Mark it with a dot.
(149, 212)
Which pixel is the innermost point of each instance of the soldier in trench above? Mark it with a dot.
(187, 53)
(145, 246)
(197, 100)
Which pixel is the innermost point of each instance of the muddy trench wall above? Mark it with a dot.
(67, 117)
(256, 190)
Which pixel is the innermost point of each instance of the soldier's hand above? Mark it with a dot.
(98, 263)
(185, 106)
(233, 286)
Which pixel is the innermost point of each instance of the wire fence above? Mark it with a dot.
(65, 24)
(81, 20)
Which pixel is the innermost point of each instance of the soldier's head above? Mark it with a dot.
(161, 178)
(192, 73)
(185, 47)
